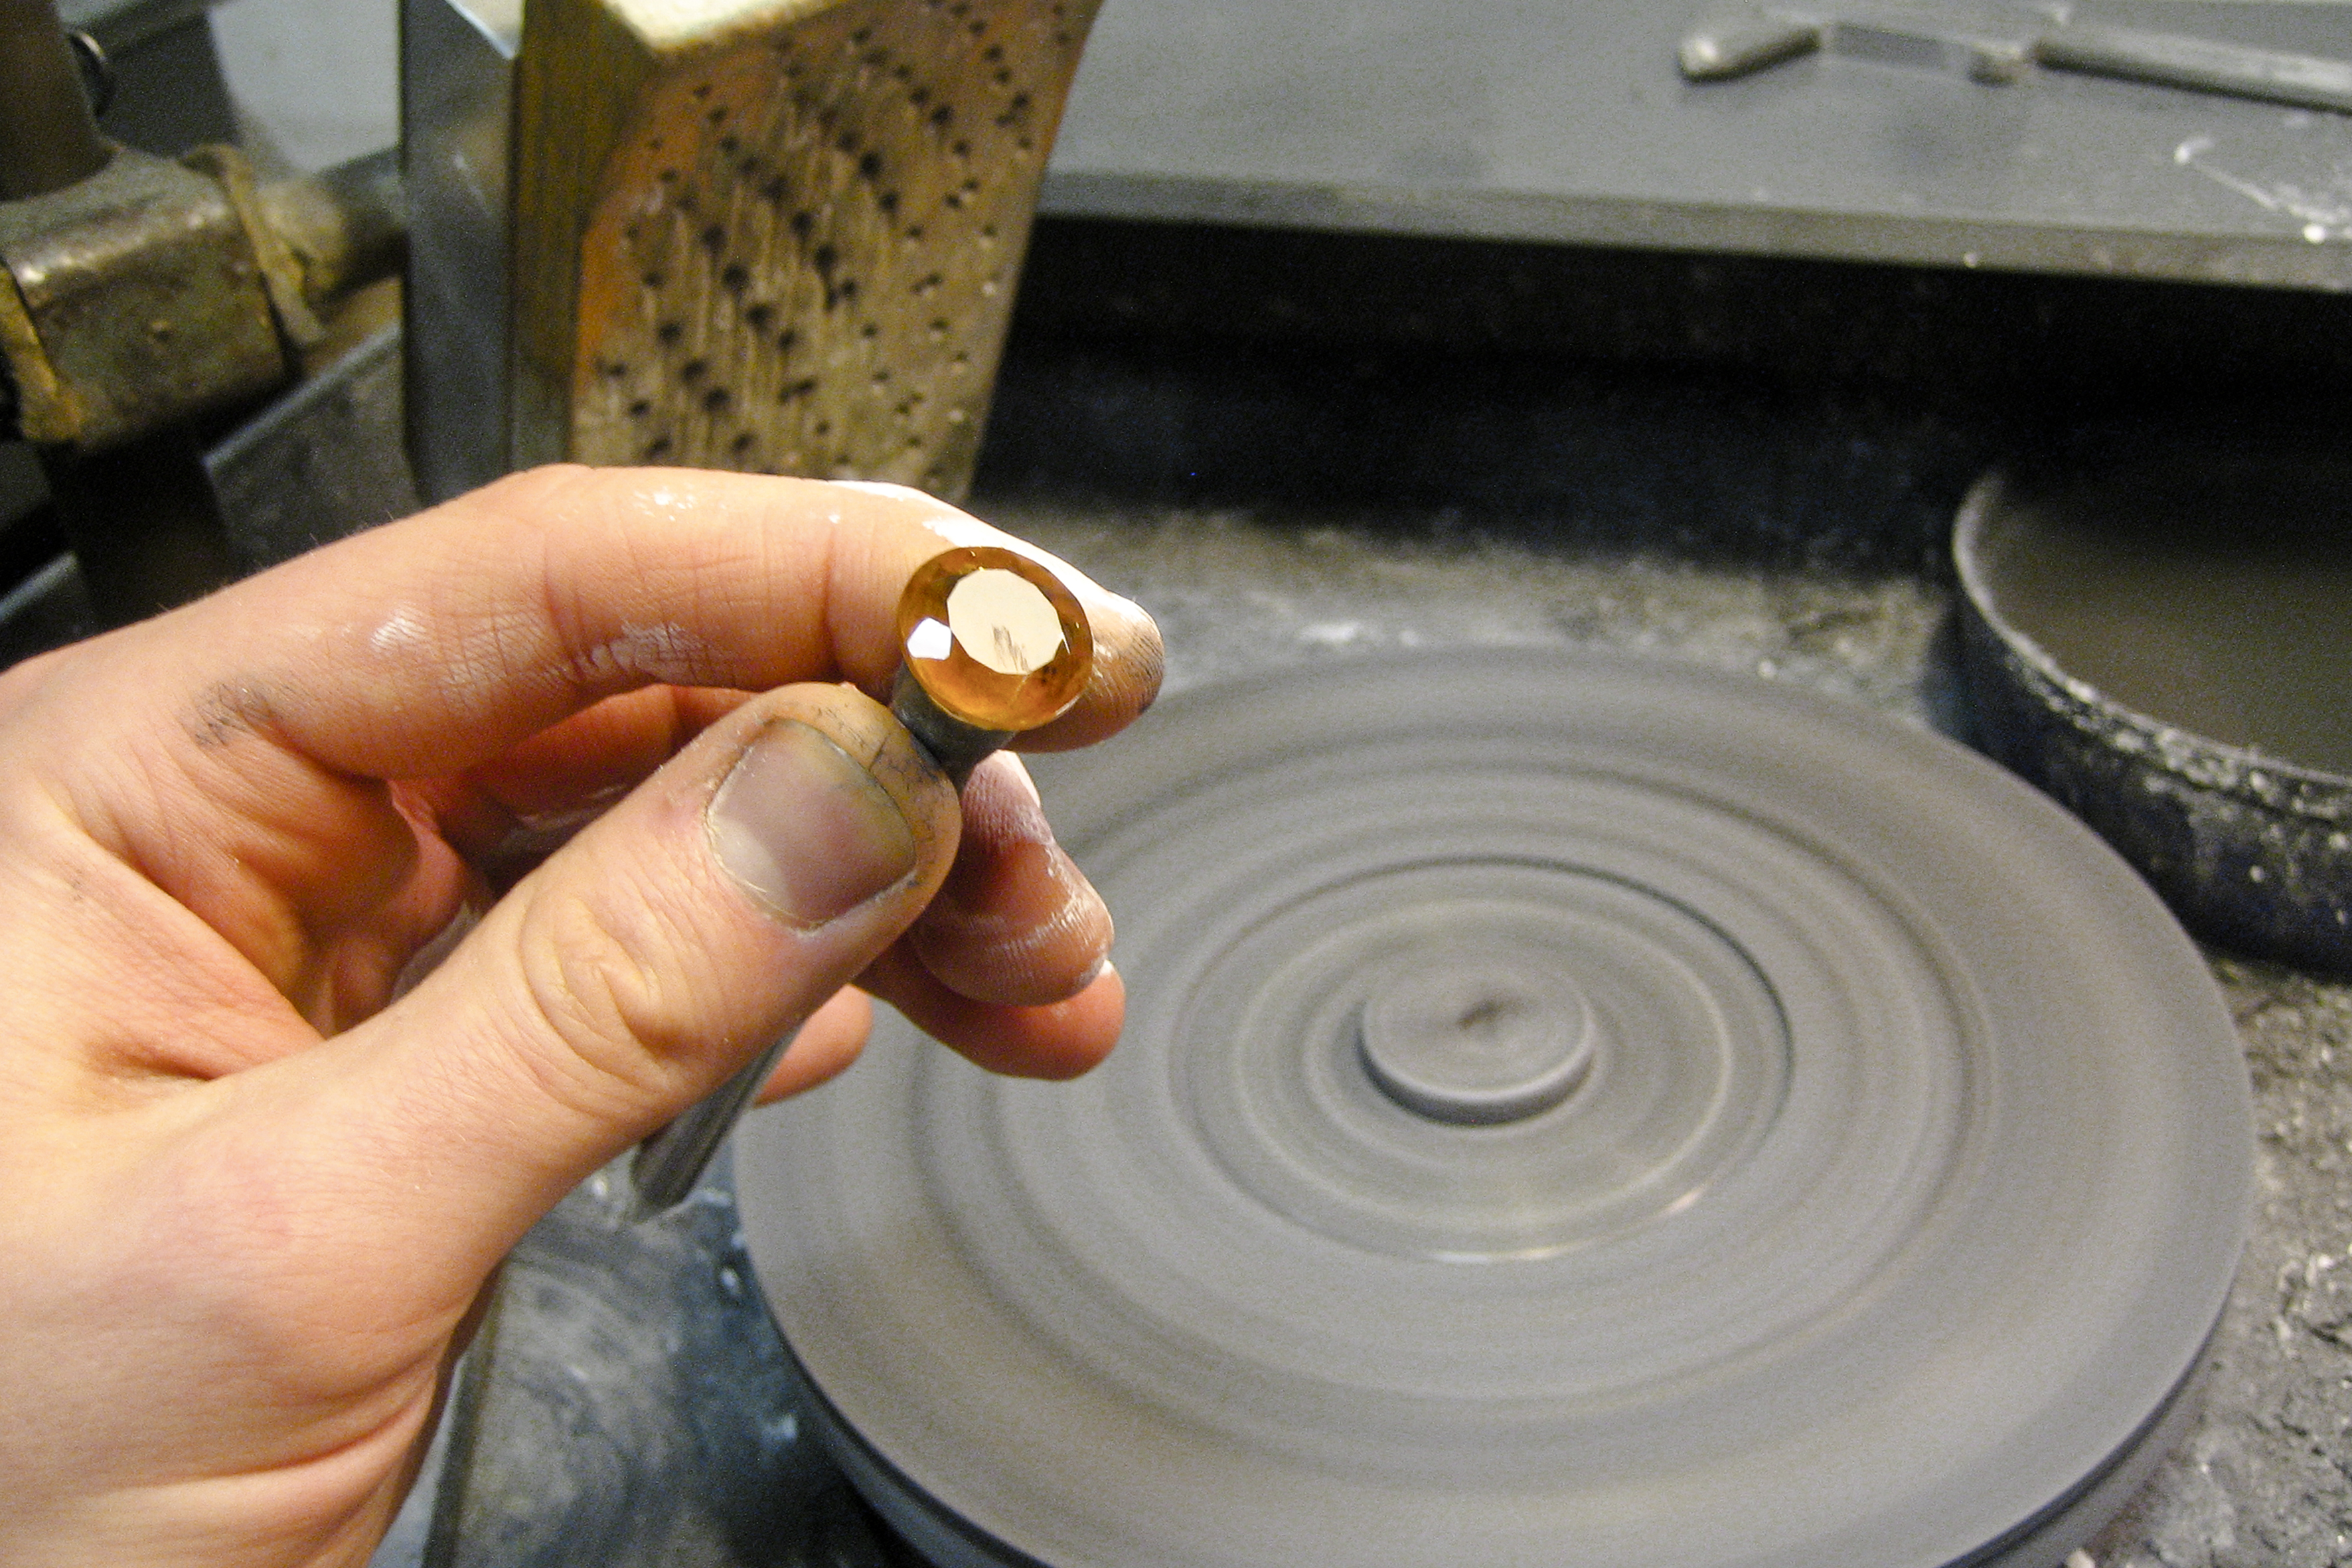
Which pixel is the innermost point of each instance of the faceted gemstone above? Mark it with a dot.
(994, 638)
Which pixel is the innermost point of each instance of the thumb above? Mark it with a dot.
(712, 911)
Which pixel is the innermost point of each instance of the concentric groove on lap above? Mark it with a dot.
(1817, 1262)
(1692, 1059)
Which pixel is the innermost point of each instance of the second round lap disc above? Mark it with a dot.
(1572, 1110)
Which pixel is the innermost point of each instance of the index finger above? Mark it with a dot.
(432, 644)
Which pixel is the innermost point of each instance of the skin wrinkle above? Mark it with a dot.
(231, 710)
(472, 655)
(483, 654)
(47, 993)
(1006, 925)
(164, 861)
(837, 611)
(1140, 665)
(587, 973)
(234, 892)
(441, 1084)
(585, 980)
(314, 1474)
(639, 652)
(590, 760)
(263, 848)
(1013, 938)
(294, 901)
(220, 1025)
(660, 651)
(486, 653)
(770, 559)
(590, 1090)
(234, 1222)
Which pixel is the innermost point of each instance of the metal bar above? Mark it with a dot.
(1728, 46)
(669, 1164)
(48, 138)
(144, 523)
(2199, 65)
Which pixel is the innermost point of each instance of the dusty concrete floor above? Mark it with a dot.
(2265, 1481)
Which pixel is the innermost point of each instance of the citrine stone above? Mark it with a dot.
(994, 638)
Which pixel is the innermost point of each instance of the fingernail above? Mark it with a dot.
(805, 829)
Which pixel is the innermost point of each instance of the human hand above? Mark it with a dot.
(252, 1193)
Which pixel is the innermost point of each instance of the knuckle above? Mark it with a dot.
(602, 977)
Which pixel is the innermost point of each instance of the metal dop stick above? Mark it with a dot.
(994, 643)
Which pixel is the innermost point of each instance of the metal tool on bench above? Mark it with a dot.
(738, 234)
(1999, 51)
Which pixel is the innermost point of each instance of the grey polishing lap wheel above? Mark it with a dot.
(1573, 1110)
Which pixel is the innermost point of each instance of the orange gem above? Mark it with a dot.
(994, 638)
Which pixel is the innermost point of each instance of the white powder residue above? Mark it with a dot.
(667, 652)
(2325, 213)
(398, 634)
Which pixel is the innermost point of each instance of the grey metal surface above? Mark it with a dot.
(168, 93)
(49, 136)
(168, 97)
(318, 463)
(46, 610)
(1533, 119)
(122, 24)
(669, 1166)
(2201, 65)
(315, 82)
(457, 103)
(1528, 119)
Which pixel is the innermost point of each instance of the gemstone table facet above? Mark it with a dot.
(994, 638)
